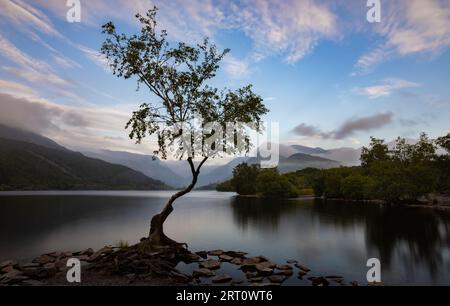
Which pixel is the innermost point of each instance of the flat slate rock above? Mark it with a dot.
(7, 263)
(302, 267)
(221, 278)
(202, 272)
(210, 264)
(225, 257)
(278, 279)
(215, 252)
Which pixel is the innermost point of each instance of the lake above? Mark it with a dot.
(331, 238)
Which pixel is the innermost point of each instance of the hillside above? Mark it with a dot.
(300, 161)
(18, 134)
(27, 166)
(146, 164)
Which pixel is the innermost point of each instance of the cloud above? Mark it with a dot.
(26, 17)
(75, 127)
(409, 27)
(235, 68)
(29, 68)
(362, 124)
(348, 128)
(304, 129)
(386, 89)
(288, 28)
(95, 56)
(16, 89)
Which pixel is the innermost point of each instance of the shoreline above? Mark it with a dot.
(131, 266)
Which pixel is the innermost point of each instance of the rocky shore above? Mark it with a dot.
(134, 266)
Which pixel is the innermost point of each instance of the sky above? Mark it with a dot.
(329, 76)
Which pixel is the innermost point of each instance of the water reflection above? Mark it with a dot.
(330, 237)
(403, 238)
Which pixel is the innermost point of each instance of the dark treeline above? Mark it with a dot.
(404, 173)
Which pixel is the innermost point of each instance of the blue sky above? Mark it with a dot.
(329, 77)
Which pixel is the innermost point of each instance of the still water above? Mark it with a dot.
(331, 238)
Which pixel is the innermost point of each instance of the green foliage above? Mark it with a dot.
(403, 174)
(225, 186)
(270, 183)
(244, 178)
(357, 187)
(251, 180)
(178, 77)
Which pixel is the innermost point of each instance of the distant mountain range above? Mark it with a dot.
(164, 173)
(148, 165)
(41, 164)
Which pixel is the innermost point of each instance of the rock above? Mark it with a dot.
(249, 274)
(180, 276)
(320, 281)
(203, 273)
(12, 277)
(236, 254)
(221, 278)
(54, 254)
(34, 272)
(106, 250)
(268, 264)
(44, 259)
(215, 252)
(8, 269)
(131, 277)
(354, 283)
(236, 261)
(69, 254)
(225, 257)
(87, 252)
(7, 263)
(81, 258)
(50, 268)
(334, 277)
(285, 272)
(302, 267)
(262, 258)
(262, 270)
(191, 258)
(29, 265)
(236, 282)
(301, 273)
(375, 284)
(257, 279)
(284, 267)
(202, 254)
(251, 261)
(31, 282)
(210, 264)
(278, 279)
(291, 261)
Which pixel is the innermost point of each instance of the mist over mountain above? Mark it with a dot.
(13, 133)
(27, 166)
(148, 165)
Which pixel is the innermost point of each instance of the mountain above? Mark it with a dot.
(12, 133)
(345, 156)
(30, 166)
(308, 150)
(300, 161)
(221, 173)
(151, 167)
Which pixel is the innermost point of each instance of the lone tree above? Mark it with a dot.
(177, 77)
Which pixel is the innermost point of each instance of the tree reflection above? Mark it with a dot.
(406, 236)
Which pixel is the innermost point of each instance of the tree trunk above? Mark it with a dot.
(156, 235)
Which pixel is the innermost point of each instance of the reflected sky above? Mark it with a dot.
(329, 237)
